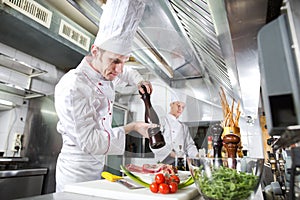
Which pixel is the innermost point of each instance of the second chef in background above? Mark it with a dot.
(176, 134)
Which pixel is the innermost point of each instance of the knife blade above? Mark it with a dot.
(128, 184)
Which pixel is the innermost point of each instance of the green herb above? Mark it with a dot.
(225, 183)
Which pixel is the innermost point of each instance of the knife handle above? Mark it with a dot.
(110, 177)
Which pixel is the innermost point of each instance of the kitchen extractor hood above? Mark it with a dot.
(37, 28)
(204, 44)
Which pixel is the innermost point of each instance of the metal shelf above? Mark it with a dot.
(19, 66)
(18, 91)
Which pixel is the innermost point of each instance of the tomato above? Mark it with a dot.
(154, 187)
(159, 178)
(174, 178)
(173, 187)
(163, 188)
(167, 179)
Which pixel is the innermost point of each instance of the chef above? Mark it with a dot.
(84, 97)
(175, 133)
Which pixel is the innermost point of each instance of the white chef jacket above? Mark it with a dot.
(84, 105)
(175, 133)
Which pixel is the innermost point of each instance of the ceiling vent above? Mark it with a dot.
(32, 10)
(75, 36)
(63, 44)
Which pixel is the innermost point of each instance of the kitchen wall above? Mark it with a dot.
(13, 121)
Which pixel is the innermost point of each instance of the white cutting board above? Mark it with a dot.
(113, 190)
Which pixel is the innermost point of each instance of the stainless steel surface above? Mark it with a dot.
(25, 34)
(13, 159)
(19, 66)
(9, 88)
(200, 45)
(42, 143)
(22, 172)
(290, 136)
(21, 183)
(128, 184)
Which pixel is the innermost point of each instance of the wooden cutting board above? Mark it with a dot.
(113, 190)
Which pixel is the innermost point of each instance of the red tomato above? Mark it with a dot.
(167, 179)
(173, 187)
(163, 188)
(174, 178)
(154, 187)
(159, 178)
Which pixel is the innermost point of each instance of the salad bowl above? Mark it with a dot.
(226, 178)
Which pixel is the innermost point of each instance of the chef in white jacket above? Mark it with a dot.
(84, 97)
(175, 133)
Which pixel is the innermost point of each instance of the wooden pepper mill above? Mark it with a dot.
(230, 142)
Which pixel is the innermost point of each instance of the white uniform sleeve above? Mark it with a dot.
(162, 153)
(81, 121)
(129, 76)
(190, 148)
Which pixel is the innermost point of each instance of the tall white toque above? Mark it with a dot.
(178, 97)
(118, 25)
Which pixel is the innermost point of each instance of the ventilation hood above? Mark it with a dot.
(197, 46)
(37, 28)
(203, 45)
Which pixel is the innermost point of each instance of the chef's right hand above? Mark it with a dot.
(140, 127)
(147, 85)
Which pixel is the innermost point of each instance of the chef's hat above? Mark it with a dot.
(178, 97)
(118, 25)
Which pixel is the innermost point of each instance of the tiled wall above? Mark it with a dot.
(13, 121)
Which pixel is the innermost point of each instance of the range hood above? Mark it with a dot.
(37, 28)
(197, 46)
(203, 45)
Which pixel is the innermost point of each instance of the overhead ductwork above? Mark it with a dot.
(37, 28)
(203, 44)
(196, 45)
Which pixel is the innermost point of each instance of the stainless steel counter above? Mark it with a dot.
(22, 172)
(17, 183)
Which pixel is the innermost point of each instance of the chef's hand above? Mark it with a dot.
(148, 86)
(173, 154)
(140, 127)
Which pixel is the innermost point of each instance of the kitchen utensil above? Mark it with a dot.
(119, 179)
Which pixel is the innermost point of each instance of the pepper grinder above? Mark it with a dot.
(217, 131)
(230, 141)
(156, 139)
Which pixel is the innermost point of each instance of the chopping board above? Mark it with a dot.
(113, 190)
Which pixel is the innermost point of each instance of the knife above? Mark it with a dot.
(119, 179)
(128, 184)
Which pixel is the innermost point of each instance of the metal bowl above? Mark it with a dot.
(226, 178)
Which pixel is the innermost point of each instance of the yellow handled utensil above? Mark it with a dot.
(119, 179)
(110, 177)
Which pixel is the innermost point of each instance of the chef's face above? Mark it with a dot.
(177, 108)
(109, 64)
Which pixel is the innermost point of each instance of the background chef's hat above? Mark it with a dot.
(178, 97)
(118, 25)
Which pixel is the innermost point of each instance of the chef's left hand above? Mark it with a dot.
(148, 86)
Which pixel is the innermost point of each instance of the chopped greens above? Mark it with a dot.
(225, 183)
